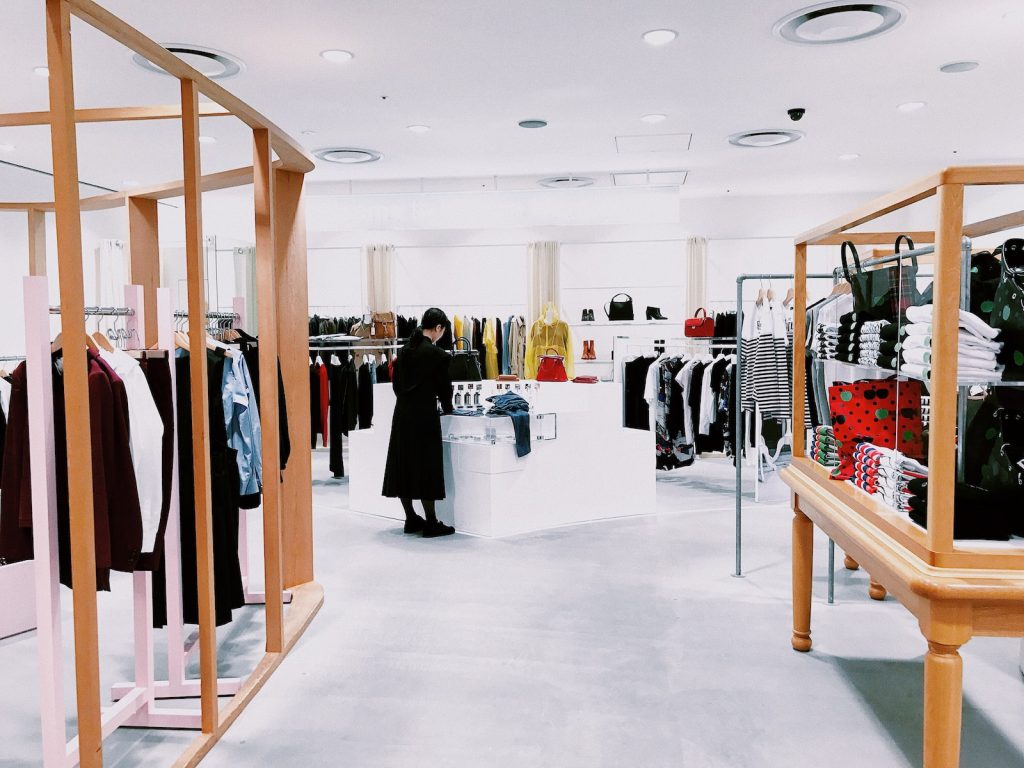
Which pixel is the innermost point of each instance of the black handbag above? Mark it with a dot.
(619, 310)
(465, 363)
(884, 294)
(1008, 309)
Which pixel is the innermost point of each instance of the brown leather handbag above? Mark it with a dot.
(385, 325)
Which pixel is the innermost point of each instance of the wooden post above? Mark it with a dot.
(200, 406)
(144, 257)
(945, 350)
(292, 322)
(36, 242)
(943, 705)
(799, 350)
(803, 561)
(266, 288)
(76, 380)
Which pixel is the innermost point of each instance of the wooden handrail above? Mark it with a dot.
(113, 114)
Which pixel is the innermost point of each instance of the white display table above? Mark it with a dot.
(593, 470)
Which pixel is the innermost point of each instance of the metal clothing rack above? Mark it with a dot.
(209, 315)
(101, 311)
(740, 437)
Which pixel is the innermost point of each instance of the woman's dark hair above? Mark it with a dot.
(432, 318)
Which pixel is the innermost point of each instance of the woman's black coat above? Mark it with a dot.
(415, 468)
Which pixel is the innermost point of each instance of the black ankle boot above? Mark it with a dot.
(654, 313)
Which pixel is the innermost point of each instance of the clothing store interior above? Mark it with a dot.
(511, 384)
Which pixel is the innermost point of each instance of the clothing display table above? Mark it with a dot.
(583, 466)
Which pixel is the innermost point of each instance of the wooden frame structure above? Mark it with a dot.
(281, 269)
(955, 590)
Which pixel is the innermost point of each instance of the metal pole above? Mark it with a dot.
(831, 572)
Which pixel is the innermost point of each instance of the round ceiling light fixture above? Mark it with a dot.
(956, 67)
(7, 147)
(216, 65)
(566, 182)
(347, 155)
(337, 56)
(41, 71)
(770, 137)
(849, 156)
(839, 22)
(207, 139)
(654, 118)
(911, 106)
(659, 37)
(533, 123)
(418, 128)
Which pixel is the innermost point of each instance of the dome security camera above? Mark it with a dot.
(796, 114)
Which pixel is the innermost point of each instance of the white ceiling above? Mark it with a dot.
(471, 69)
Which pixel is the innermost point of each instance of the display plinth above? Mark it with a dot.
(594, 470)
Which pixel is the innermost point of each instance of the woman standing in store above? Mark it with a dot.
(415, 468)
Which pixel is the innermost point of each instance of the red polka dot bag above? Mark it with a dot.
(885, 413)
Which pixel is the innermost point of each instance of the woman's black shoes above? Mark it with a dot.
(654, 313)
(431, 530)
(415, 525)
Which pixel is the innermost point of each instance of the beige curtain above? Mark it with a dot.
(696, 274)
(545, 277)
(379, 259)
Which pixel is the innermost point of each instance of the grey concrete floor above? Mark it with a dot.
(622, 643)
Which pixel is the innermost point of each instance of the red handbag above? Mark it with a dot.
(886, 413)
(700, 325)
(552, 367)
(585, 380)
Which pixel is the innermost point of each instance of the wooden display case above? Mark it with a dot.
(955, 589)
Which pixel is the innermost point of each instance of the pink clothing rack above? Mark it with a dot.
(137, 705)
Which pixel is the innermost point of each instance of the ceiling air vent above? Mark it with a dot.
(216, 65)
(566, 182)
(838, 22)
(347, 155)
(766, 138)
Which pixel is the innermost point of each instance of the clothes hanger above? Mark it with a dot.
(790, 296)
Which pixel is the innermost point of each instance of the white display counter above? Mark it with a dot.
(594, 469)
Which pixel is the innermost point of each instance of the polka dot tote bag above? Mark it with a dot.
(884, 412)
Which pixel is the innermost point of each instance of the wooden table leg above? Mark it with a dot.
(876, 591)
(803, 560)
(943, 701)
(850, 563)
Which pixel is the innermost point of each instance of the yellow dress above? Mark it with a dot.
(549, 332)
(491, 368)
(457, 328)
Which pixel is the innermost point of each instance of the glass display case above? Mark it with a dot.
(482, 428)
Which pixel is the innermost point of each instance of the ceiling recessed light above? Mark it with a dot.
(654, 118)
(955, 67)
(42, 71)
(347, 155)
(839, 22)
(7, 147)
(849, 156)
(207, 139)
(657, 37)
(129, 183)
(418, 128)
(533, 123)
(337, 56)
(911, 106)
(308, 132)
(566, 182)
(770, 137)
(216, 65)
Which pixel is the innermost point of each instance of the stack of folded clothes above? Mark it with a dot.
(859, 338)
(908, 348)
(888, 474)
(826, 341)
(824, 447)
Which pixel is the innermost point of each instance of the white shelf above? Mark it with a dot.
(583, 324)
(594, 362)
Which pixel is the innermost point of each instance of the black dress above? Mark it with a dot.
(415, 468)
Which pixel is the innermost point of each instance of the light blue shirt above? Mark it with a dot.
(242, 421)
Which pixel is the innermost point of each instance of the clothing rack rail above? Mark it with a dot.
(211, 315)
(101, 311)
